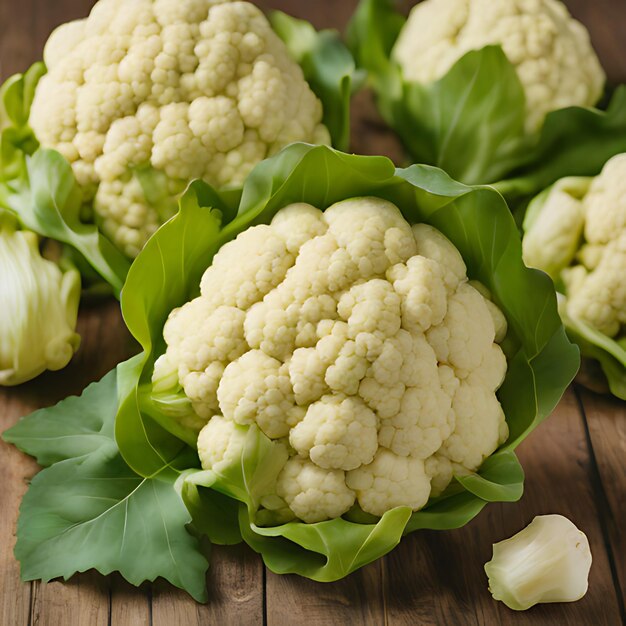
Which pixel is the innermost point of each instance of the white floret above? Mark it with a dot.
(373, 232)
(256, 389)
(550, 51)
(312, 493)
(337, 432)
(480, 426)
(422, 424)
(371, 307)
(247, 268)
(421, 285)
(466, 333)
(298, 223)
(434, 245)
(390, 481)
(220, 443)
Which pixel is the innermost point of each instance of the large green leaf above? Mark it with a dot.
(89, 510)
(328, 67)
(165, 275)
(542, 361)
(471, 121)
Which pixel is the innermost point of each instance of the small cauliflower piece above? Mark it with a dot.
(220, 443)
(143, 97)
(357, 342)
(390, 481)
(550, 51)
(312, 493)
(38, 308)
(548, 561)
(337, 433)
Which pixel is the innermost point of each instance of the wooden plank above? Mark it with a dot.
(438, 578)
(129, 606)
(235, 584)
(606, 421)
(357, 599)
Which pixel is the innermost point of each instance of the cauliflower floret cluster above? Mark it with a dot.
(358, 343)
(550, 50)
(580, 237)
(141, 97)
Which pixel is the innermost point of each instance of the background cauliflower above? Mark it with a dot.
(354, 340)
(551, 51)
(143, 96)
(576, 232)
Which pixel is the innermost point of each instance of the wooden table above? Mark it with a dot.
(575, 462)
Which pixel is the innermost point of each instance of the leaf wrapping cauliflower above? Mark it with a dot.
(354, 339)
(141, 97)
(576, 231)
(38, 308)
(550, 50)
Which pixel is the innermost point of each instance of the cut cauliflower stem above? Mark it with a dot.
(580, 236)
(354, 339)
(550, 50)
(145, 95)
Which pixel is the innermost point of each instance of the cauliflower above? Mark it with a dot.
(549, 50)
(141, 97)
(354, 339)
(38, 308)
(576, 232)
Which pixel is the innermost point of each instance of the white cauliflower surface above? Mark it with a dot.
(580, 236)
(355, 340)
(550, 51)
(143, 96)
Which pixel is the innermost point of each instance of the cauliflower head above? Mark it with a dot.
(354, 340)
(38, 309)
(551, 51)
(576, 232)
(143, 96)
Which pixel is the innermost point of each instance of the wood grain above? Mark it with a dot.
(574, 463)
(357, 599)
(606, 423)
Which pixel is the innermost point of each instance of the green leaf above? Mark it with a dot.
(542, 361)
(214, 514)
(17, 140)
(89, 510)
(48, 202)
(165, 275)
(501, 478)
(471, 121)
(98, 514)
(326, 551)
(607, 351)
(328, 67)
(74, 428)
